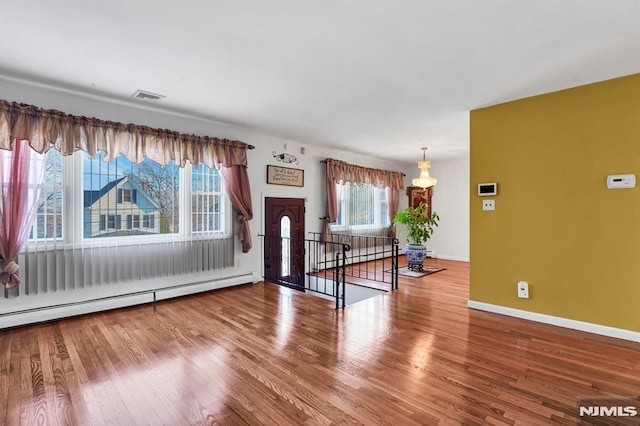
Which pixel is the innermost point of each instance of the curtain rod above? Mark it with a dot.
(14, 108)
(324, 161)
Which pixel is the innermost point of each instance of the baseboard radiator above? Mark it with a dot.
(65, 310)
(64, 279)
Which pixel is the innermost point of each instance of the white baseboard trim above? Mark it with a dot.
(184, 290)
(458, 259)
(603, 330)
(81, 307)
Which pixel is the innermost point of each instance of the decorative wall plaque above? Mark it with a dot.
(277, 175)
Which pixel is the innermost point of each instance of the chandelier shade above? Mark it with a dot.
(424, 181)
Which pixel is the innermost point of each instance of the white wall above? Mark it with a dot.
(314, 178)
(144, 114)
(451, 202)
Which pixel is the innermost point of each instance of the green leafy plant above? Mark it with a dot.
(419, 226)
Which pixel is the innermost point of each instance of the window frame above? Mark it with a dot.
(344, 211)
(73, 222)
(55, 189)
(225, 213)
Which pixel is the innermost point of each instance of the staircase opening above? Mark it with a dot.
(344, 268)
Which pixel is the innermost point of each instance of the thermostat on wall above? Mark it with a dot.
(621, 181)
(487, 189)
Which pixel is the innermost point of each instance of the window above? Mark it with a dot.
(362, 206)
(383, 211)
(148, 221)
(285, 256)
(124, 195)
(122, 188)
(208, 201)
(48, 221)
(111, 221)
(120, 199)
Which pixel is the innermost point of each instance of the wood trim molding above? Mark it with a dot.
(603, 330)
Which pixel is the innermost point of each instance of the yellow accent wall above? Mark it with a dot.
(556, 225)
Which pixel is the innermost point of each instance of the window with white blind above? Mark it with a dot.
(362, 206)
(123, 199)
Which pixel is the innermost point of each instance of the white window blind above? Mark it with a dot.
(100, 223)
(362, 207)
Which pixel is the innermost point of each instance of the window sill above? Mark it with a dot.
(51, 245)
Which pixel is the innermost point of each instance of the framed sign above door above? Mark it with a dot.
(277, 175)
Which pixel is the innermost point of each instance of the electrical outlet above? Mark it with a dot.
(488, 205)
(523, 290)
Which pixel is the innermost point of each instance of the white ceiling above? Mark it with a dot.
(368, 76)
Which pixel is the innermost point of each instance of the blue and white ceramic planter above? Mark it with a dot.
(415, 254)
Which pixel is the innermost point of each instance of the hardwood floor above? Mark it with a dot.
(263, 354)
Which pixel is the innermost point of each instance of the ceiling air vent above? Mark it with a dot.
(147, 96)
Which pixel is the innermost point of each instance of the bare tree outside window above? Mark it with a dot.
(48, 222)
(161, 183)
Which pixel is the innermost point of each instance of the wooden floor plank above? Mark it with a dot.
(263, 354)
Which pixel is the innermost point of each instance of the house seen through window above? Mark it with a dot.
(133, 199)
(121, 198)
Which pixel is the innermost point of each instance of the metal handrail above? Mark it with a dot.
(305, 277)
(328, 263)
(371, 258)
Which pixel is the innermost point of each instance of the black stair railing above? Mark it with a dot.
(293, 262)
(372, 259)
(324, 264)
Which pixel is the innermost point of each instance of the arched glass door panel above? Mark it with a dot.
(285, 255)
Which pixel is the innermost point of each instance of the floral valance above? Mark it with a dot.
(46, 128)
(339, 172)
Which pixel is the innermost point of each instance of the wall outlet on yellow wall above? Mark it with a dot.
(523, 290)
(488, 205)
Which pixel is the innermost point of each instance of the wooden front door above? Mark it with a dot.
(284, 241)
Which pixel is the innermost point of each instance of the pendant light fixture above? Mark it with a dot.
(424, 181)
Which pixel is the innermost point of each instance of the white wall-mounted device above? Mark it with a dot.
(523, 290)
(485, 189)
(621, 181)
(488, 205)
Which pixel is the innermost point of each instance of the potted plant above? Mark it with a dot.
(419, 228)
